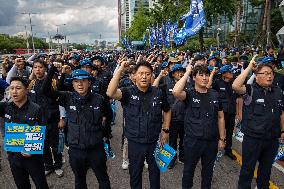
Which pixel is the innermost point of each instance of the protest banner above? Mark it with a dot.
(24, 138)
(164, 156)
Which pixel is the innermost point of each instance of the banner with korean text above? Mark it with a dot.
(24, 138)
(164, 156)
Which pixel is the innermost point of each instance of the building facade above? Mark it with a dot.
(127, 10)
(249, 21)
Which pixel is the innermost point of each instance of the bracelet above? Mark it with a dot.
(223, 140)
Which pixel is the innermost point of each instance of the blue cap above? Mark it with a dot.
(172, 54)
(176, 67)
(164, 65)
(216, 53)
(210, 58)
(80, 74)
(76, 57)
(210, 68)
(3, 84)
(265, 60)
(244, 58)
(100, 58)
(226, 68)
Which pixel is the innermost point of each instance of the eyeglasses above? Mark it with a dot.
(266, 73)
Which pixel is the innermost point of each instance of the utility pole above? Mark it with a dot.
(57, 32)
(28, 45)
(29, 13)
(27, 39)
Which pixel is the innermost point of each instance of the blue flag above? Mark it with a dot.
(159, 36)
(152, 37)
(125, 43)
(144, 38)
(166, 34)
(194, 20)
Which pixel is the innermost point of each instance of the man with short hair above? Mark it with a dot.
(52, 116)
(85, 111)
(262, 124)
(23, 111)
(143, 106)
(228, 99)
(204, 125)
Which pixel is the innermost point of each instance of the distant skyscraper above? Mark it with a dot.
(127, 10)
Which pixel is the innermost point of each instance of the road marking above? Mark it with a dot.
(279, 167)
(239, 160)
(276, 165)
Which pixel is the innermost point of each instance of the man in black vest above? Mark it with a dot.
(204, 125)
(228, 99)
(143, 106)
(85, 111)
(177, 108)
(51, 115)
(263, 123)
(23, 111)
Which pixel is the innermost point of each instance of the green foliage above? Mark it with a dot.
(214, 8)
(276, 23)
(256, 3)
(139, 25)
(244, 38)
(10, 43)
(81, 46)
(168, 10)
(193, 43)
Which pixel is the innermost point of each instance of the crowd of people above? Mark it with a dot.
(190, 100)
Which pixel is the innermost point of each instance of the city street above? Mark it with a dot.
(225, 175)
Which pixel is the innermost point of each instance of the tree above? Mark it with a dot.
(238, 23)
(216, 8)
(276, 23)
(271, 21)
(139, 25)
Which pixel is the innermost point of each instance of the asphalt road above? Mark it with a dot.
(225, 175)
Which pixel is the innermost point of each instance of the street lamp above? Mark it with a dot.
(57, 26)
(218, 37)
(31, 28)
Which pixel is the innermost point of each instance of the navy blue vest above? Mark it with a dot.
(140, 126)
(202, 122)
(262, 111)
(177, 106)
(84, 121)
(227, 96)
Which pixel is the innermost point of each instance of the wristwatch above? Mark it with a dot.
(166, 130)
(223, 139)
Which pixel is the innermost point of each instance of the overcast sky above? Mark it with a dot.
(85, 19)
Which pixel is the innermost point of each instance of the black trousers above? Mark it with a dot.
(253, 150)
(51, 147)
(22, 168)
(137, 152)
(229, 126)
(81, 160)
(177, 131)
(109, 115)
(195, 149)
